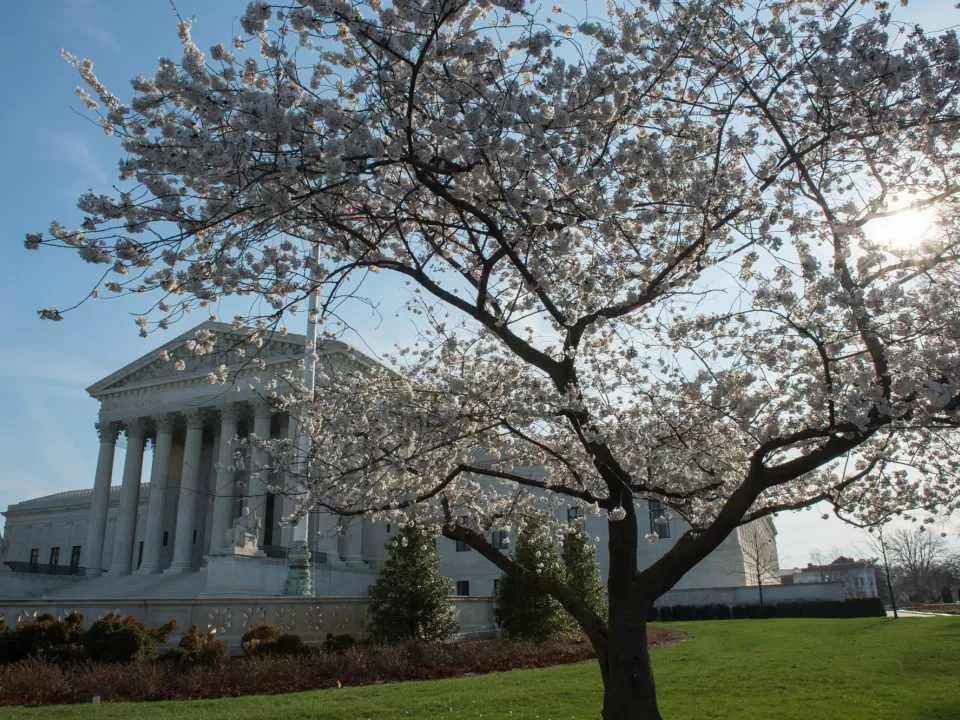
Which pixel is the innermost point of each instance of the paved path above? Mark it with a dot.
(913, 614)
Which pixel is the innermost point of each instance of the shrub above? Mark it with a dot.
(864, 607)
(289, 644)
(849, 608)
(338, 644)
(197, 647)
(521, 611)
(262, 634)
(35, 682)
(410, 598)
(115, 639)
(265, 639)
(47, 637)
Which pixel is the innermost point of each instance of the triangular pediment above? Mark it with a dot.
(175, 361)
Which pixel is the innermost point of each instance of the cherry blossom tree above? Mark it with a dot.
(636, 249)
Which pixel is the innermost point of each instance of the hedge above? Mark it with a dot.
(849, 608)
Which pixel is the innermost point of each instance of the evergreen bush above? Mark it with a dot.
(197, 647)
(521, 611)
(47, 637)
(338, 644)
(581, 572)
(257, 639)
(410, 599)
(115, 639)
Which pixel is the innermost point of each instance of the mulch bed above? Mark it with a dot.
(34, 682)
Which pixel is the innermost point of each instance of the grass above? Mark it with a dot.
(746, 669)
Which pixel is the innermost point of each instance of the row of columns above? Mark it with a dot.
(121, 555)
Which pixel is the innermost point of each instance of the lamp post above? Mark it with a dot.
(299, 583)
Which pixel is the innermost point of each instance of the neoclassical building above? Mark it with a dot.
(176, 540)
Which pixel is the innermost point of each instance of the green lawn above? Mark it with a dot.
(745, 669)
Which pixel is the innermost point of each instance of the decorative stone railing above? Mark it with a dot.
(277, 552)
(311, 618)
(43, 569)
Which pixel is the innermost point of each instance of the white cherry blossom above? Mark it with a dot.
(636, 251)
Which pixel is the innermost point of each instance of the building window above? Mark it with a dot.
(658, 511)
(75, 556)
(54, 556)
(194, 537)
(166, 538)
(140, 555)
(574, 513)
(34, 556)
(462, 546)
(463, 588)
(499, 539)
(496, 584)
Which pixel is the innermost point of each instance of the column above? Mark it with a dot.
(123, 536)
(224, 480)
(183, 538)
(256, 498)
(288, 498)
(374, 542)
(323, 535)
(153, 532)
(353, 541)
(99, 504)
(209, 498)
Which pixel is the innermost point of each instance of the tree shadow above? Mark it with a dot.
(871, 626)
(949, 709)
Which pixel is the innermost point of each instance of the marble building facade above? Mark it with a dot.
(169, 536)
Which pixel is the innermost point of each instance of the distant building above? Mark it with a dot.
(858, 577)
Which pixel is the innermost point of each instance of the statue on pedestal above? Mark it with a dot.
(246, 528)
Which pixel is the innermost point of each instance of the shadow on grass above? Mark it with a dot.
(871, 626)
(937, 712)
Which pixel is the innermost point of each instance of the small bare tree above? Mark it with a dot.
(879, 545)
(919, 554)
(760, 553)
(822, 559)
(830, 570)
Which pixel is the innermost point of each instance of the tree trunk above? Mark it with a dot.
(629, 690)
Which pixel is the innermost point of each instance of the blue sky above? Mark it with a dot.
(53, 153)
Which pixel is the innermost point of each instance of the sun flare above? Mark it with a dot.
(908, 228)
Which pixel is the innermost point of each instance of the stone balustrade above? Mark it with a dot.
(311, 618)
